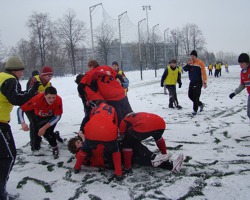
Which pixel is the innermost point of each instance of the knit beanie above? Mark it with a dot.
(243, 58)
(194, 53)
(14, 63)
(47, 70)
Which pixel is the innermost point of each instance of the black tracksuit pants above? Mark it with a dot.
(194, 94)
(7, 156)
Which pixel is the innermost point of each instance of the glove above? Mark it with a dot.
(36, 85)
(180, 85)
(232, 95)
(162, 85)
(76, 171)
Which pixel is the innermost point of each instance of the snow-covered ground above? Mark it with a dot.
(216, 144)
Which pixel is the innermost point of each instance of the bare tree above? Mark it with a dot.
(71, 32)
(105, 39)
(197, 38)
(176, 41)
(25, 49)
(186, 39)
(192, 38)
(3, 51)
(41, 33)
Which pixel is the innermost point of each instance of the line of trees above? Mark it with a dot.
(64, 45)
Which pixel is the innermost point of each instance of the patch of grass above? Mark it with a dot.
(50, 167)
(60, 164)
(187, 159)
(217, 141)
(225, 133)
(175, 148)
(24, 181)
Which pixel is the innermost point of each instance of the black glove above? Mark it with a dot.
(180, 85)
(36, 85)
(162, 85)
(76, 171)
(232, 95)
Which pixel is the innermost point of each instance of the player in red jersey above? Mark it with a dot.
(243, 60)
(47, 107)
(142, 125)
(139, 126)
(109, 88)
(102, 129)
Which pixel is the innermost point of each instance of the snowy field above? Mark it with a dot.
(215, 142)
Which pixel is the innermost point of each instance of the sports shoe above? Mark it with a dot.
(55, 152)
(58, 138)
(178, 163)
(170, 106)
(194, 113)
(201, 107)
(178, 107)
(36, 153)
(158, 159)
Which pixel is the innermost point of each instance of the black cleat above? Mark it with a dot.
(170, 106)
(202, 107)
(58, 138)
(55, 152)
(179, 107)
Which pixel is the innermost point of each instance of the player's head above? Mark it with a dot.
(74, 144)
(50, 95)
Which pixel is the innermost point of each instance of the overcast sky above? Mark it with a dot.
(225, 23)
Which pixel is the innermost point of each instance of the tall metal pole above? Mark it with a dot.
(91, 28)
(165, 47)
(120, 38)
(139, 37)
(175, 45)
(153, 29)
(147, 7)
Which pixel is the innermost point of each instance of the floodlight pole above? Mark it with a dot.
(165, 46)
(120, 38)
(91, 28)
(139, 37)
(147, 7)
(153, 29)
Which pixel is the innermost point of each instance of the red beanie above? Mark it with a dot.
(47, 70)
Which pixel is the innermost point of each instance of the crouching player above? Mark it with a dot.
(138, 127)
(101, 133)
(47, 107)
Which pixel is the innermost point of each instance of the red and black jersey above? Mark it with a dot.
(91, 92)
(245, 79)
(108, 87)
(42, 108)
(142, 122)
(102, 125)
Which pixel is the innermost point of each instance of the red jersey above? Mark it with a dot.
(108, 87)
(245, 79)
(90, 93)
(42, 108)
(142, 122)
(102, 125)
